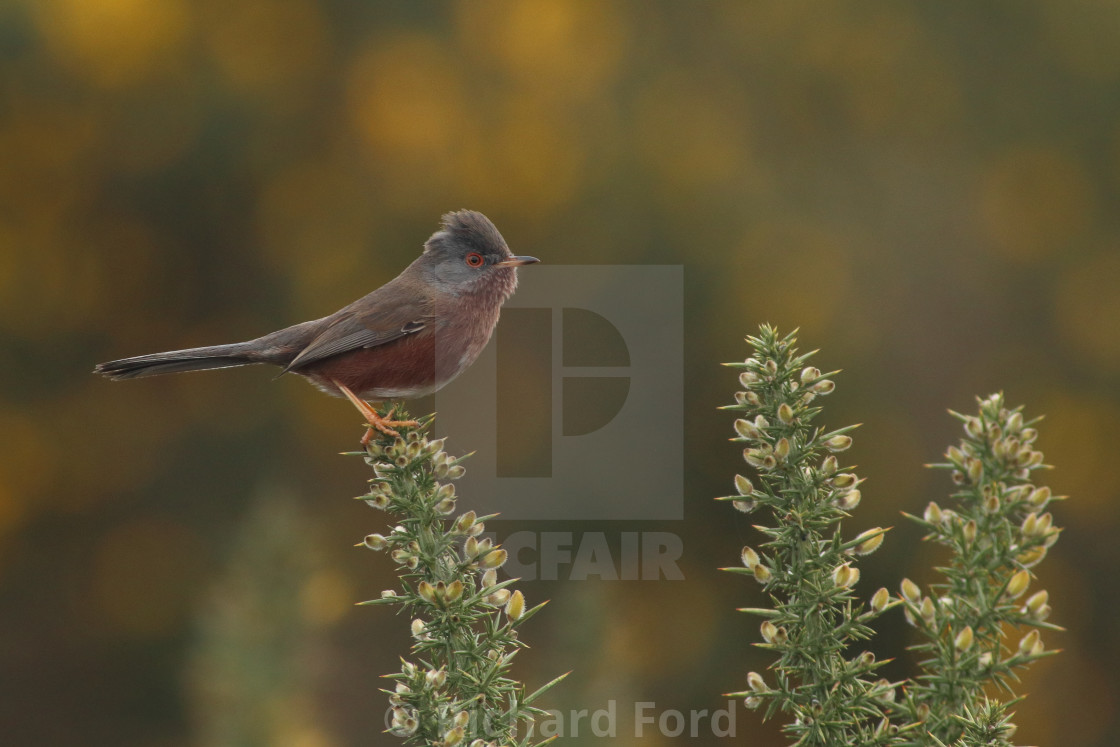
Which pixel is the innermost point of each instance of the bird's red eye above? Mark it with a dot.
(474, 259)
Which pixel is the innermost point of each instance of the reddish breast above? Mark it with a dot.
(404, 368)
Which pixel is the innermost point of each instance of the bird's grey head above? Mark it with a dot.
(468, 255)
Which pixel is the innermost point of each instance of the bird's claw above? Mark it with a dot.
(377, 422)
(386, 424)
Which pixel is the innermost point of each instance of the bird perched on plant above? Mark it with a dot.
(406, 339)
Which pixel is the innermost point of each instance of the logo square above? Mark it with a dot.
(575, 409)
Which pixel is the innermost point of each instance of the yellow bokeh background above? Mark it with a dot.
(928, 191)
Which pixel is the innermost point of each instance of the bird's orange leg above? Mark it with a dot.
(385, 423)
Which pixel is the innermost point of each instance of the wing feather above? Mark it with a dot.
(353, 330)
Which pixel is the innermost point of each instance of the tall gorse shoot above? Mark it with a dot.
(997, 529)
(806, 563)
(455, 687)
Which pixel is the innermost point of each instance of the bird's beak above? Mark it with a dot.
(516, 261)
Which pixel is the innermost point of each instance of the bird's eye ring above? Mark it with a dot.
(474, 259)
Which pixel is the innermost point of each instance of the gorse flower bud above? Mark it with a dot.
(743, 486)
(769, 631)
(419, 629)
(829, 466)
(969, 531)
(927, 610)
(464, 523)
(824, 386)
(379, 501)
(973, 427)
(1017, 585)
(498, 598)
(1037, 602)
(1039, 497)
(845, 575)
(515, 608)
(880, 599)
(991, 503)
(1032, 557)
(849, 499)
(375, 542)
(746, 429)
(748, 379)
(975, 471)
(493, 559)
(933, 513)
(871, 544)
(403, 723)
(1031, 643)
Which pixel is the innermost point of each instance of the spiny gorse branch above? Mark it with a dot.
(806, 564)
(997, 530)
(455, 689)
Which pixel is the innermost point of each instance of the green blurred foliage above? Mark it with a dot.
(928, 190)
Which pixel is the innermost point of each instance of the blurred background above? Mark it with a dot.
(928, 190)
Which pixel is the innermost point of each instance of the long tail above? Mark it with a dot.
(193, 359)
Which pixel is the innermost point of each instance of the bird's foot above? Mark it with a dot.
(377, 422)
(386, 424)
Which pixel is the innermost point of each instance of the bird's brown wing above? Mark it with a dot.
(360, 326)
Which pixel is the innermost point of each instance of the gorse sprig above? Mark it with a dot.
(456, 687)
(997, 530)
(806, 565)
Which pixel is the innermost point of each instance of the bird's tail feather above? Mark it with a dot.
(192, 359)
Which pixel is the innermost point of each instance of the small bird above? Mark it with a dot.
(406, 339)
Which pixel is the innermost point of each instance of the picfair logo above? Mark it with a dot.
(575, 409)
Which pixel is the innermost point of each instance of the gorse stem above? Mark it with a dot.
(806, 565)
(997, 531)
(456, 688)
